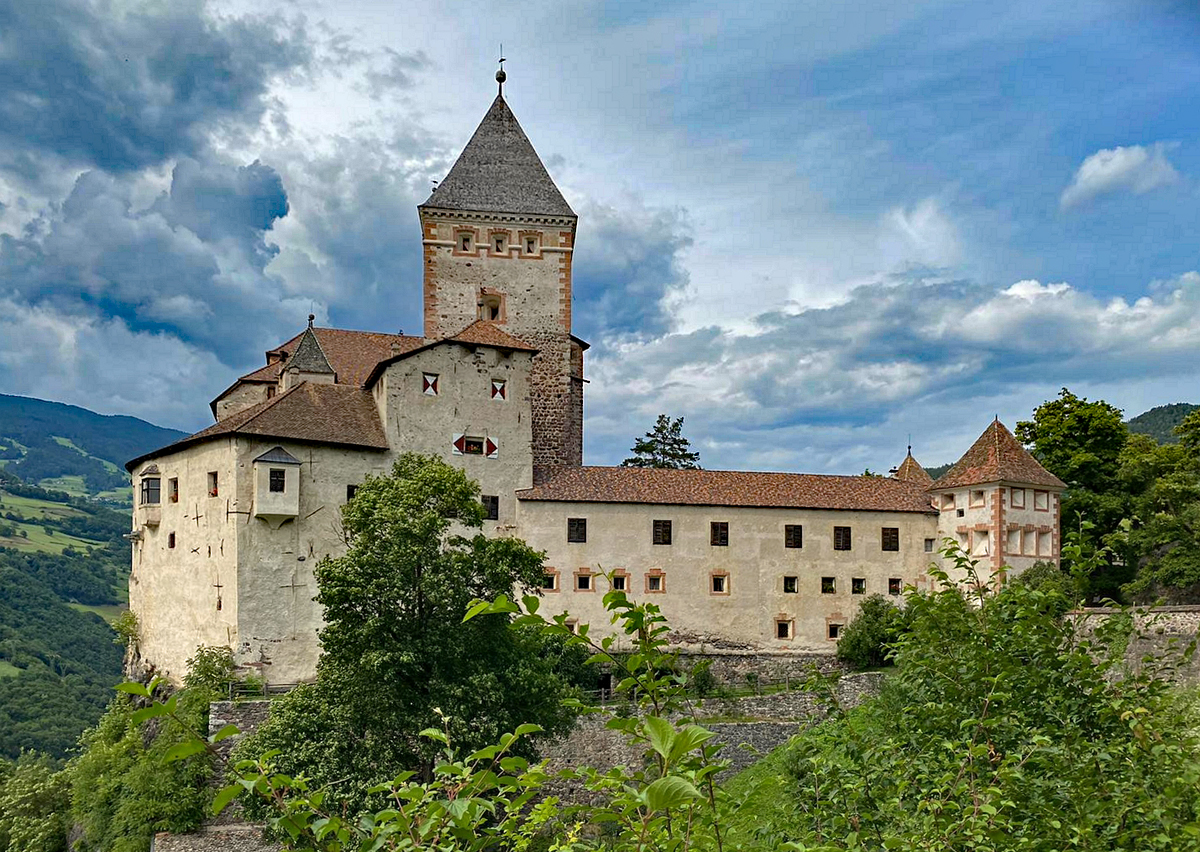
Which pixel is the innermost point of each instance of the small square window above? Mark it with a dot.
(619, 583)
(1041, 501)
(662, 532)
(894, 586)
(841, 538)
(977, 498)
(791, 585)
(654, 583)
(531, 245)
(835, 630)
(793, 535)
(278, 480)
(961, 513)
(473, 446)
(947, 501)
(890, 538)
(491, 507)
(783, 629)
(429, 384)
(577, 530)
(719, 534)
(858, 585)
(213, 491)
(720, 584)
(828, 586)
(550, 581)
(572, 624)
(1018, 498)
(583, 582)
(499, 389)
(351, 490)
(171, 540)
(929, 543)
(173, 490)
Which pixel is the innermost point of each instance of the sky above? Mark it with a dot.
(817, 231)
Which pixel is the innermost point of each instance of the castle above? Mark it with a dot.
(229, 522)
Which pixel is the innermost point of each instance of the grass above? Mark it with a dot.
(37, 539)
(764, 799)
(7, 669)
(109, 612)
(72, 484)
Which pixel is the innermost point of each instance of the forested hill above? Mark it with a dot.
(1159, 422)
(67, 448)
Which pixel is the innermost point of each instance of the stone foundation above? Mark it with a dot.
(1161, 637)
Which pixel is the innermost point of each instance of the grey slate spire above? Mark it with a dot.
(309, 356)
(499, 172)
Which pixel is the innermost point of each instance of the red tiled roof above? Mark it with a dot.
(486, 333)
(997, 456)
(315, 413)
(910, 471)
(725, 488)
(351, 354)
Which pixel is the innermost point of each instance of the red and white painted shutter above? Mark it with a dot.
(429, 384)
(458, 445)
(490, 448)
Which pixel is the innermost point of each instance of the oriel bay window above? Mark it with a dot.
(151, 491)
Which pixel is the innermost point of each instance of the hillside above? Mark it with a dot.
(71, 449)
(1160, 421)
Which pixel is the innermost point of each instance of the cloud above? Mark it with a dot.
(1136, 168)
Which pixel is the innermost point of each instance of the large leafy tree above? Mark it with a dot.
(396, 656)
(664, 447)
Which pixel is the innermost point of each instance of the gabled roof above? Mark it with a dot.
(342, 415)
(309, 356)
(997, 456)
(277, 455)
(910, 471)
(724, 488)
(478, 333)
(498, 171)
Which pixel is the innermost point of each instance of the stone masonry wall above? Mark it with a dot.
(1161, 636)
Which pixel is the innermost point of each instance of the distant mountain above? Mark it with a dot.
(71, 449)
(1159, 422)
(939, 471)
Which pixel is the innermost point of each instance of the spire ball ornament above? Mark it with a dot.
(501, 76)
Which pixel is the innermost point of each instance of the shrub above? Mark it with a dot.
(866, 642)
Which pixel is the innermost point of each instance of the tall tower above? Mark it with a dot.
(498, 238)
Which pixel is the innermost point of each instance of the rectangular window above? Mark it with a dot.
(577, 530)
(212, 484)
(791, 585)
(278, 480)
(491, 507)
(720, 584)
(929, 543)
(1041, 501)
(1014, 542)
(894, 586)
(583, 582)
(947, 501)
(499, 389)
(1029, 543)
(473, 446)
(550, 581)
(618, 583)
(828, 586)
(783, 629)
(531, 245)
(654, 583)
(662, 532)
(466, 240)
(173, 490)
(890, 538)
(719, 534)
(983, 543)
(961, 513)
(171, 540)
(500, 243)
(858, 585)
(429, 384)
(1017, 499)
(270, 391)
(351, 490)
(1045, 545)
(977, 498)
(841, 538)
(793, 535)
(151, 491)
(835, 630)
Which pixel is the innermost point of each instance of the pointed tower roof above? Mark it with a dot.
(997, 457)
(911, 471)
(500, 172)
(309, 356)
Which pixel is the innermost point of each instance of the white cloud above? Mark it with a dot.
(1136, 168)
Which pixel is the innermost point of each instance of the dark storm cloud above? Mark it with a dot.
(99, 84)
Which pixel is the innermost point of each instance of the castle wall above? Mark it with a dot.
(241, 397)
(187, 595)
(998, 534)
(755, 562)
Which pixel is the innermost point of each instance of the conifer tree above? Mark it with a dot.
(664, 447)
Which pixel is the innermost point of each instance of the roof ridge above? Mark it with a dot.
(695, 470)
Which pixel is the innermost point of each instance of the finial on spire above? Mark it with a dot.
(500, 75)
(311, 317)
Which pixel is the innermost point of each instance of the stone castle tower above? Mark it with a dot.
(498, 238)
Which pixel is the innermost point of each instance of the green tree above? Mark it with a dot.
(396, 658)
(35, 805)
(664, 447)
(866, 641)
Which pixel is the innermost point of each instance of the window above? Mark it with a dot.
(531, 245)
(572, 624)
(171, 540)
(1014, 542)
(212, 484)
(583, 582)
(929, 542)
(656, 583)
(791, 585)
(858, 585)
(473, 446)
(1045, 545)
(467, 445)
(793, 535)
(890, 538)
(491, 507)
(577, 530)
(499, 389)
(841, 538)
(351, 490)
(270, 391)
(1041, 501)
(982, 544)
(619, 583)
(977, 498)
(500, 243)
(835, 630)
(719, 584)
(961, 513)
(173, 490)
(783, 629)
(828, 586)
(466, 241)
(1017, 499)
(662, 532)
(1029, 543)
(550, 581)
(429, 384)
(894, 586)
(947, 501)
(719, 534)
(278, 480)
(151, 491)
